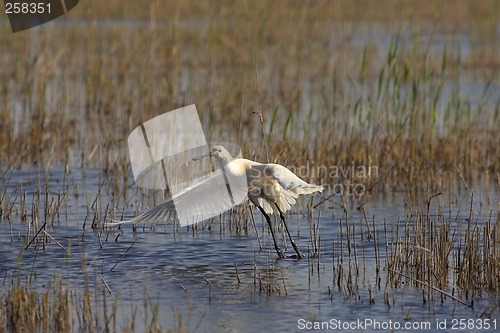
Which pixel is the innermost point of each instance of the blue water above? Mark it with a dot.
(192, 271)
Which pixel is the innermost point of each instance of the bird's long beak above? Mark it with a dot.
(197, 158)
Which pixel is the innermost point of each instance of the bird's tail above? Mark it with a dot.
(288, 198)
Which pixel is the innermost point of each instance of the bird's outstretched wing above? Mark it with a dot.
(291, 182)
(204, 200)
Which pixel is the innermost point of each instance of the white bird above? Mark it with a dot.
(271, 187)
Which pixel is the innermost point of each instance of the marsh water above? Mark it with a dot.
(214, 277)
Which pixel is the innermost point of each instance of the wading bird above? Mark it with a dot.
(271, 187)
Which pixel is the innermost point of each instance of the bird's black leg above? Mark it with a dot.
(295, 247)
(268, 219)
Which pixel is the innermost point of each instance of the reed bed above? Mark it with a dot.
(446, 258)
(71, 98)
(62, 309)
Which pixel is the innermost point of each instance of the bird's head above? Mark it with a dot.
(221, 154)
(218, 152)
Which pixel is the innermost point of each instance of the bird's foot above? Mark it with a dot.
(292, 256)
(296, 248)
(296, 256)
(280, 253)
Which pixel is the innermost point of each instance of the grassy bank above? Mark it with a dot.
(336, 83)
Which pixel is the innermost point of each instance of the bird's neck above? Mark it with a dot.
(236, 167)
(224, 162)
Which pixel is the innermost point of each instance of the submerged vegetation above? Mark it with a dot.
(370, 102)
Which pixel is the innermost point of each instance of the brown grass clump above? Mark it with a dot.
(444, 254)
(60, 309)
(26, 310)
